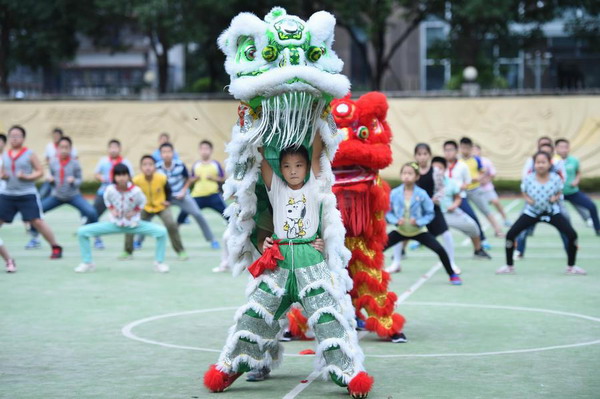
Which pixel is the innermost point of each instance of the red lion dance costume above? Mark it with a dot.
(363, 199)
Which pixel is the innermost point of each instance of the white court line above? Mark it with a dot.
(486, 225)
(127, 330)
(403, 297)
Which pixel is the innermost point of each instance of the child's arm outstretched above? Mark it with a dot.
(265, 169)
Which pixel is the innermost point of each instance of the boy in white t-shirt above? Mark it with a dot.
(291, 270)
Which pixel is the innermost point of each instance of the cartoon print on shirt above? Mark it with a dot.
(295, 213)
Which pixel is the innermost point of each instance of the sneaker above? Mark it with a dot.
(33, 244)
(575, 271)
(215, 244)
(161, 267)
(399, 338)
(98, 244)
(481, 254)
(85, 267)
(455, 279)
(506, 269)
(456, 268)
(137, 245)
(286, 337)
(517, 255)
(11, 266)
(486, 245)
(414, 245)
(394, 268)
(223, 267)
(361, 325)
(258, 375)
(125, 256)
(56, 252)
(182, 256)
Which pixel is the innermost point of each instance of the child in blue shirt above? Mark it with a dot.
(411, 210)
(542, 191)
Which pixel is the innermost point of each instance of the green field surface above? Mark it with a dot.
(125, 331)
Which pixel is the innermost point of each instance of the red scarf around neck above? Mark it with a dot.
(451, 167)
(13, 158)
(113, 162)
(63, 162)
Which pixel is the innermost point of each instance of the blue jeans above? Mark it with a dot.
(77, 201)
(466, 208)
(580, 199)
(214, 201)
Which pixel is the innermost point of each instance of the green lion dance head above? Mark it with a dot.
(285, 73)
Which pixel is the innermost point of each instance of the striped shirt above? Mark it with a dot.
(177, 174)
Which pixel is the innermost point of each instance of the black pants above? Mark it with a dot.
(438, 224)
(558, 221)
(427, 239)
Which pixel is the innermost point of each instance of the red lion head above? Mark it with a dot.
(367, 135)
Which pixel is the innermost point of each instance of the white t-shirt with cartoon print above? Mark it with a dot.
(295, 212)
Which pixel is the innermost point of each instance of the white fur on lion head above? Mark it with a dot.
(282, 53)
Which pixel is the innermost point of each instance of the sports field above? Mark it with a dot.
(125, 331)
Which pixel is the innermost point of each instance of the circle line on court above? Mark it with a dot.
(127, 331)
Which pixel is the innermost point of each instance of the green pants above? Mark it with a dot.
(302, 277)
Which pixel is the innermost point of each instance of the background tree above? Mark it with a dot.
(37, 34)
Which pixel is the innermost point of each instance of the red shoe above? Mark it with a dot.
(360, 386)
(56, 252)
(218, 381)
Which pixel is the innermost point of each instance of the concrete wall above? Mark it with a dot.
(507, 128)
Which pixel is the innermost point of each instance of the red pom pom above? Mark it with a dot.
(360, 386)
(217, 381)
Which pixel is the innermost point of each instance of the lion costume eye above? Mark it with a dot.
(270, 53)
(250, 52)
(314, 53)
(363, 133)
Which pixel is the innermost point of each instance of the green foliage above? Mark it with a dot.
(38, 33)
(478, 29)
(201, 85)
